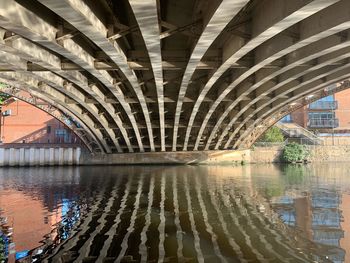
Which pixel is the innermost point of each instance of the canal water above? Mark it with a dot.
(252, 213)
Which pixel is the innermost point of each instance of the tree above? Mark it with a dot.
(274, 134)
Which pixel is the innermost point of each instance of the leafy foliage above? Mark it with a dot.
(274, 134)
(3, 96)
(294, 152)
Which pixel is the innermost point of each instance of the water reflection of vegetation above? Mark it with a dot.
(294, 173)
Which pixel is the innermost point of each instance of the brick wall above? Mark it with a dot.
(343, 111)
(31, 125)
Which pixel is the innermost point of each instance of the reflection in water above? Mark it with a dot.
(207, 214)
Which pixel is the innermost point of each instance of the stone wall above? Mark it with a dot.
(339, 153)
(318, 153)
(266, 154)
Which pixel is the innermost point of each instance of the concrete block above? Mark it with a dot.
(41, 156)
(21, 161)
(2, 156)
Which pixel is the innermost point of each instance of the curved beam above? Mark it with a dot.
(296, 74)
(60, 85)
(312, 35)
(146, 14)
(222, 16)
(78, 14)
(262, 36)
(329, 78)
(35, 28)
(49, 100)
(60, 116)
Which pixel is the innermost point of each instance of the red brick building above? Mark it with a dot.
(327, 115)
(28, 124)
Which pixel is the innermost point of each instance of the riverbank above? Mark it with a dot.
(40, 156)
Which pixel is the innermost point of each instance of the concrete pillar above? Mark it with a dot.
(47, 156)
(6, 157)
(12, 157)
(69, 156)
(51, 156)
(32, 159)
(77, 155)
(60, 159)
(21, 161)
(2, 156)
(41, 156)
(26, 156)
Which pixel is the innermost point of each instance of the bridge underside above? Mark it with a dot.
(173, 75)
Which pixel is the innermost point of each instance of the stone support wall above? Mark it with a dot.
(39, 156)
(318, 153)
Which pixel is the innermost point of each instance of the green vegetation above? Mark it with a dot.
(294, 153)
(3, 96)
(274, 134)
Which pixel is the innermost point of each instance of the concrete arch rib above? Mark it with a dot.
(299, 75)
(60, 85)
(61, 117)
(329, 78)
(9, 78)
(222, 16)
(78, 14)
(23, 22)
(265, 34)
(314, 35)
(146, 15)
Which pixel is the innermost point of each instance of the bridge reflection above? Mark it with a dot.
(200, 213)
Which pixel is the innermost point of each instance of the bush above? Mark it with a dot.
(274, 134)
(294, 153)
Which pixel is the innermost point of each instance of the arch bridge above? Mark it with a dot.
(173, 75)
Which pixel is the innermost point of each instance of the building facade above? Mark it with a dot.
(327, 115)
(23, 123)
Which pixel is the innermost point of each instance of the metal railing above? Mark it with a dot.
(323, 105)
(293, 130)
(323, 123)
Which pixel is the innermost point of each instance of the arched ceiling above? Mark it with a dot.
(170, 75)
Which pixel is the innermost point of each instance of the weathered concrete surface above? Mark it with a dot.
(200, 157)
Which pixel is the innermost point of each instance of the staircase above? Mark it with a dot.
(296, 133)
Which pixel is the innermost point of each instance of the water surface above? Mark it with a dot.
(254, 213)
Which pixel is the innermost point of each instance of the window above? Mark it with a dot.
(287, 118)
(321, 115)
(61, 132)
(48, 129)
(328, 98)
